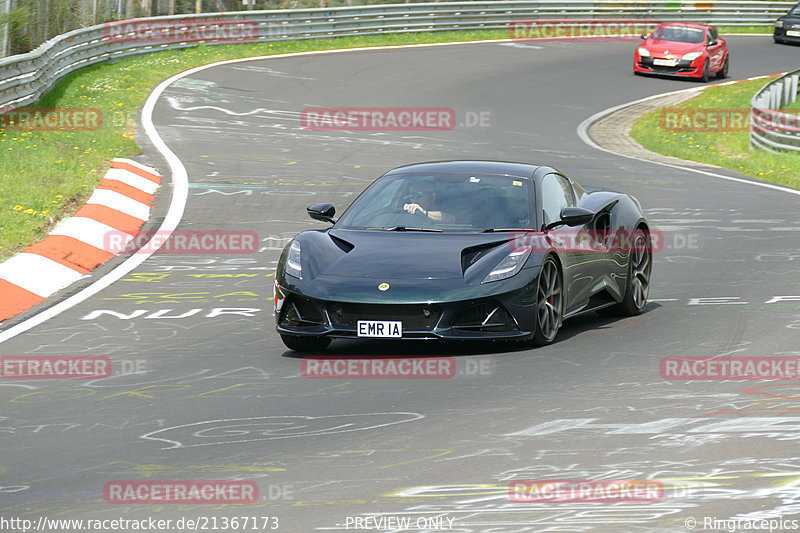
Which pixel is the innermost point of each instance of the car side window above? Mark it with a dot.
(557, 194)
(712, 35)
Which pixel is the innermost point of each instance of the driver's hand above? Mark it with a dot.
(413, 208)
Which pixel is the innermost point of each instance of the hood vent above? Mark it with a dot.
(341, 243)
(471, 255)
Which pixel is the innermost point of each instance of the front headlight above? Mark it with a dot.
(691, 56)
(779, 24)
(293, 266)
(510, 265)
(644, 52)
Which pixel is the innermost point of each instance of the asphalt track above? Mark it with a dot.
(217, 397)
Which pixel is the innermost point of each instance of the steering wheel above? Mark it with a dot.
(417, 213)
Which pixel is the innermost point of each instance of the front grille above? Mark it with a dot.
(415, 317)
(681, 66)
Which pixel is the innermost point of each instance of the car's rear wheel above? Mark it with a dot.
(549, 303)
(305, 343)
(723, 72)
(637, 287)
(640, 266)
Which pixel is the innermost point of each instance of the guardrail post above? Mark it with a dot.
(775, 101)
(787, 86)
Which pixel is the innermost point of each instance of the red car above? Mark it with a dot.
(682, 49)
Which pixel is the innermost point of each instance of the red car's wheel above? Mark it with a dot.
(723, 72)
(705, 76)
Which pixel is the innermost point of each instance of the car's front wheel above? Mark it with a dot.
(723, 72)
(305, 343)
(705, 76)
(549, 303)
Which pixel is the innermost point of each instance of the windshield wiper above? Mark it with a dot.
(405, 228)
(493, 230)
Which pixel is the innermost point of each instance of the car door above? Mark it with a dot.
(558, 193)
(715, 47)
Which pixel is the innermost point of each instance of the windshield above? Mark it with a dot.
(795, 10)
(681, 34)
(447, 201)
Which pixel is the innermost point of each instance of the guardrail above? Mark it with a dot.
(770, 128)
(25, 78)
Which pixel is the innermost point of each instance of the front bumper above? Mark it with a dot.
(691, 69)
(508, 316)
(779, 34)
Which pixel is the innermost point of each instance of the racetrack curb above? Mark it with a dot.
(610, 129)
(79, 244)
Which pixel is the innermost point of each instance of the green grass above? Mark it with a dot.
(723, 30)
(47, 175)
(727, 149)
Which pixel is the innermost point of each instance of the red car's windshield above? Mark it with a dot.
(679, 33)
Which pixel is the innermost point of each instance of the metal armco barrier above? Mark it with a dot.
(26, 77)
(770, 128)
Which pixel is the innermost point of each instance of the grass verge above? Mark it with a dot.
(656, 131)
(47, 175)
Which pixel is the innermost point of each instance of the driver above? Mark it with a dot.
(423, 200)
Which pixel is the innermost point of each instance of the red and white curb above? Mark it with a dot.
(77, 245)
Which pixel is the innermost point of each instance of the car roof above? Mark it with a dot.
(686, 24)
(524, 170)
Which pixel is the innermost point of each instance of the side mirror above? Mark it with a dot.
(712, 43)
(573, 216)
(643, 36)
(323, 212)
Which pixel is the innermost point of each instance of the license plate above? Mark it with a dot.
(390, 329)
(665, 62)
(793, 33)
